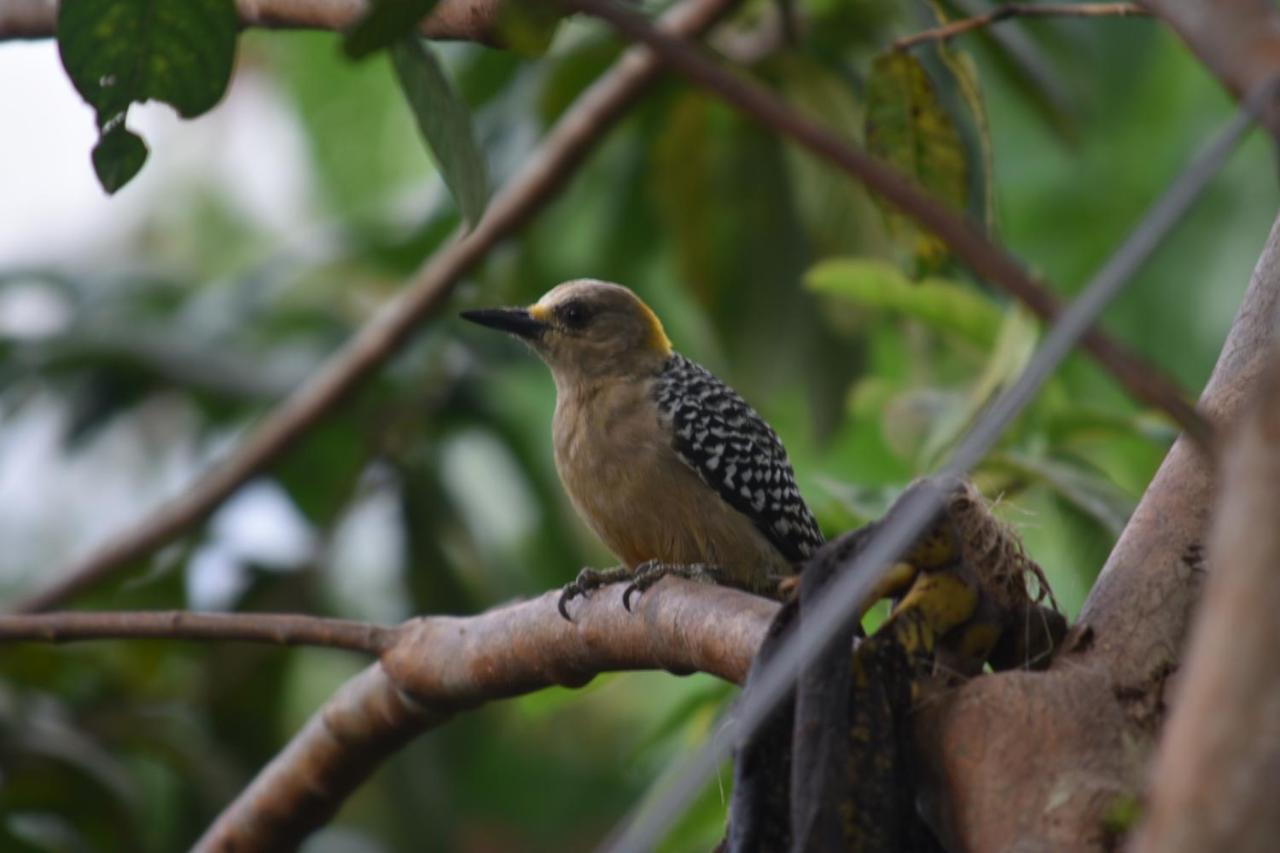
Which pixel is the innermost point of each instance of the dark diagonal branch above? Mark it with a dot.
(1144, 381)
(441, 665)
(1006, 11)
(279, 628)
(544, 172)
(464, 20)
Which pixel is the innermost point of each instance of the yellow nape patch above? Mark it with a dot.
(658, 339)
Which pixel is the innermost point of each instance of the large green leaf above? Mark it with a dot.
(908, 128)
(445, 123)
(942, 305)
(128, 51)
(386, 22)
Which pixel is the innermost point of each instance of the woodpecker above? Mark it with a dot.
(668, 465)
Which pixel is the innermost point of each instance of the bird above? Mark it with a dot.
(668, 465)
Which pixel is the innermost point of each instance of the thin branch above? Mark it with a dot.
(463, 20)
(441, 665)
(544, 172)
(284, 629)
(1005, 11)
(1141, 379)
(1214, 777)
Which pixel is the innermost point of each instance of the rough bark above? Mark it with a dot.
(1218, 769)
(1037, 761)
(440, 665)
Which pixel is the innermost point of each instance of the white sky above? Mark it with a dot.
(51, 206)
(54, 505)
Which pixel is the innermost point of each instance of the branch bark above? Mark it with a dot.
(1142, 380)
(1006, 11)
(544, 172)
(1214, 780)
(286, 629)
(1039, 760)
(441, 665)
(1238, 40)
(461, 20)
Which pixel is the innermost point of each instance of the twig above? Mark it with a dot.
(545, 171)
(464, 20)
(1141, 379)
(284, 629)
(1005, 11)
(441, 665)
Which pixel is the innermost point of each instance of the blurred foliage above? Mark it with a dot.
(433, 490)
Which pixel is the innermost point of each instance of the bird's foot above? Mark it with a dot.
(588, 580)
(785, 586)
(647, 574)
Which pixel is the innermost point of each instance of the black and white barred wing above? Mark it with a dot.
(736, 453)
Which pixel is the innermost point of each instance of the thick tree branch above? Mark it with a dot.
(1006, 11)
(544, 172)
(1141, 379)
(463, 20)
(441, 665)
(1214, 780)
(286, 629)
(1020, 759)
(1238, 40)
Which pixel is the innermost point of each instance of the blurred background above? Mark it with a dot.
(142, 334)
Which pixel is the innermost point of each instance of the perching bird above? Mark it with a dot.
(668, 465)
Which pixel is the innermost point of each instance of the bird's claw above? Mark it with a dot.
(587, 580)
(648, 574)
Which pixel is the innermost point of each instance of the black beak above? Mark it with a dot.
(517, 321)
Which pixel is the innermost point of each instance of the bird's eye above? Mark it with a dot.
(574, 315)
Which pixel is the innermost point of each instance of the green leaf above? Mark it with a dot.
(940, 304)
(445, 123)
(129, 51)
(386, 22)
(908, 128)
(118, 156)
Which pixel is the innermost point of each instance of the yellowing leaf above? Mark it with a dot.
(908, 128)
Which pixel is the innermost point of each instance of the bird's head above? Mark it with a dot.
(586, 329)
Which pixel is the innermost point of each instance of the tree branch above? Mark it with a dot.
(1058, 750)
(463, 20)
(1005, 11)
(1238, 40)
(1214, 779)
(544, 172)
(441, 665)
(1141, 379)
(280, 628)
